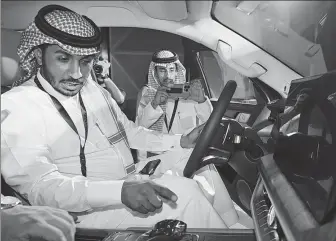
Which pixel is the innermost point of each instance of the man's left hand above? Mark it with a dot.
(196, 91)
(189, 140)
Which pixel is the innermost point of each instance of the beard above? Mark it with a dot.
(68, 87)
(167, 82)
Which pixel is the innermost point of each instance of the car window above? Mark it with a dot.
(130, 52)
(217, 73)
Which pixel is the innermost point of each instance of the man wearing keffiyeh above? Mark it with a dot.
(67, 144)
(156, 111)
(155, 108)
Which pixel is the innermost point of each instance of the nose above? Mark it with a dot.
(75, 70)
(171, 75)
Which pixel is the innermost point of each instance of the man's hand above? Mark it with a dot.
(196, 91)
(161, 96)
(26, 223)
(117, 94)
(144, 196)
(189, 140)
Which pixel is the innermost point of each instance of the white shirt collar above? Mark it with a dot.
(49, 89)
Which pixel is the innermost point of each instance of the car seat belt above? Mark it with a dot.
(172, 117)
(275, 133)
(277, 108)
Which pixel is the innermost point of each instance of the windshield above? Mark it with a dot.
(298, 33)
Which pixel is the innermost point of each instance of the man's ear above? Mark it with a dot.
(38, 55)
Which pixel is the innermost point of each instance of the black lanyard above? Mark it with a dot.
(172, 117)
(67, 118)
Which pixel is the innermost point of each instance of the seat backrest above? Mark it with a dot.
(10, 40)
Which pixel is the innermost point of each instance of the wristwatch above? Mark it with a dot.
(9, 202)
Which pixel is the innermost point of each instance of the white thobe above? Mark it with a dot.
(189, 114)
(40, 159)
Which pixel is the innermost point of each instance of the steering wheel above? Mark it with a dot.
(209, 129)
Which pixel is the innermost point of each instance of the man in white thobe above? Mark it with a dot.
(159, 111)
(66, 143)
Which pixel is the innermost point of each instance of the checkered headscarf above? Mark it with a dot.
(153, 83)
(66, 21)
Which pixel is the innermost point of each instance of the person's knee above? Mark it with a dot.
(183, 187)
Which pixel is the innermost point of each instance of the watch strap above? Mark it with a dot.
(9, 202)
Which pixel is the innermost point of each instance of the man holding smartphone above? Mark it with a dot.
(161, 111)
(160, 108)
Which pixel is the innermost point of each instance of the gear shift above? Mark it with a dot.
(169, 229)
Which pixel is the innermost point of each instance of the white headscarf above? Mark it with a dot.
(154, 84)
(68, 22)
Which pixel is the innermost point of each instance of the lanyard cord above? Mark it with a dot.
(67, 118)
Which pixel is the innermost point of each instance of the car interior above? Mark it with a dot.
(276, 163)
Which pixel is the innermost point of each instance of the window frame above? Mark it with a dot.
(208, 89)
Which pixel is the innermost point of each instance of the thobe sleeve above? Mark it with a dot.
(146, 114)
(204, 110)
(27, 165)
(141, 138)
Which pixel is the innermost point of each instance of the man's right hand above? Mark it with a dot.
(144, 196)
(161, 96)
(36, 223)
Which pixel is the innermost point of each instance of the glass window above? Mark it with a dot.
(131, 50)
(299, 33)
(217, 73)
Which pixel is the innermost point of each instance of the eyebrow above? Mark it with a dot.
(63, 52)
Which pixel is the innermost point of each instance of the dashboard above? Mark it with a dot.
(277, 211)
(134, 234)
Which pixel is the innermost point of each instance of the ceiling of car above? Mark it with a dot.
(104, 12)
(190, 19)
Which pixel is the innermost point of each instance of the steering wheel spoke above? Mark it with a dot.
(215, 156)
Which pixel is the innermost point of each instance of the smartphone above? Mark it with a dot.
(150, 167)
(179, 91)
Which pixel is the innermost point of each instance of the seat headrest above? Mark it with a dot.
(10, 40)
